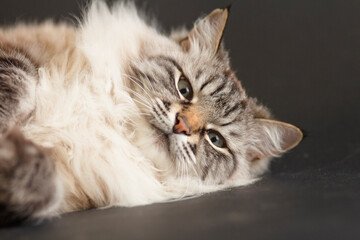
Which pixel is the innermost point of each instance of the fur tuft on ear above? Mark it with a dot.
(272, 139)
(207, 32)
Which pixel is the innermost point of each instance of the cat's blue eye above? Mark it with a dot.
(185, 88)
(216, 138)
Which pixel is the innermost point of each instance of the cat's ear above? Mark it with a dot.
(273, 138)
(207, 32)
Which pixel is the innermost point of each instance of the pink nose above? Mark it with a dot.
(181, 125)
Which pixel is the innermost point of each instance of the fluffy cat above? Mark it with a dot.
(114, 113)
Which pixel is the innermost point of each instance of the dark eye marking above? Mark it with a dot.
(234, 134)
(208, 81)
(226, 124)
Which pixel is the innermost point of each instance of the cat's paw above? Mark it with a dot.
(27, 184)
(17, 154)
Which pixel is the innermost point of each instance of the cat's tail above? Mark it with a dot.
(29, 187)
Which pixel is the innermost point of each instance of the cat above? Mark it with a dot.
(115, 113)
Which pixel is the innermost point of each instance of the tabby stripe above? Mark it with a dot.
(170, 73)
(234, 134)
(140, 73)
(198, 74)
(235, 162)
(179, 150)
(186, 150)
(9, 61)
(193, 148)
(234, 108)
(218, 89)
(158, 115)
(207, 166)
(211, 79)
(167, 105)
(150, 78)
(234, 89)
(168, 59)
(7, 71)
(162, 111)
(205, 172)
(4, 86)
(2, 111)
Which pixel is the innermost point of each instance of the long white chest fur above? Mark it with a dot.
(104, 150)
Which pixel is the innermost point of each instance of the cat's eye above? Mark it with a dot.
(216, 139)
(185, 88)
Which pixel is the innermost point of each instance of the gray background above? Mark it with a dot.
(299, 57)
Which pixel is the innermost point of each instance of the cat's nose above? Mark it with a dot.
(181, 125)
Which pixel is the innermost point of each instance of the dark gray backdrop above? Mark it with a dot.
(299, 57)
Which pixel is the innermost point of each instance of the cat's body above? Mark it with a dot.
(115, 113)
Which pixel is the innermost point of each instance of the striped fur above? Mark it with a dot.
(18, 79)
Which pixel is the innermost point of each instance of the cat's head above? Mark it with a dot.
(187, 90)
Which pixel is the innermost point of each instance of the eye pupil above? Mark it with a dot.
(214, 139)
(184, 91)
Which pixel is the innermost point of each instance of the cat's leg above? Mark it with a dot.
(18, 80)
(29, 187)
(28, 184)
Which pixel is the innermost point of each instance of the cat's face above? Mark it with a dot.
(200, 107)
(191, 96)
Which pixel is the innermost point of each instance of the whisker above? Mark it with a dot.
(143, 101)
(137, 82)
(137, 94)
(147, 78)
